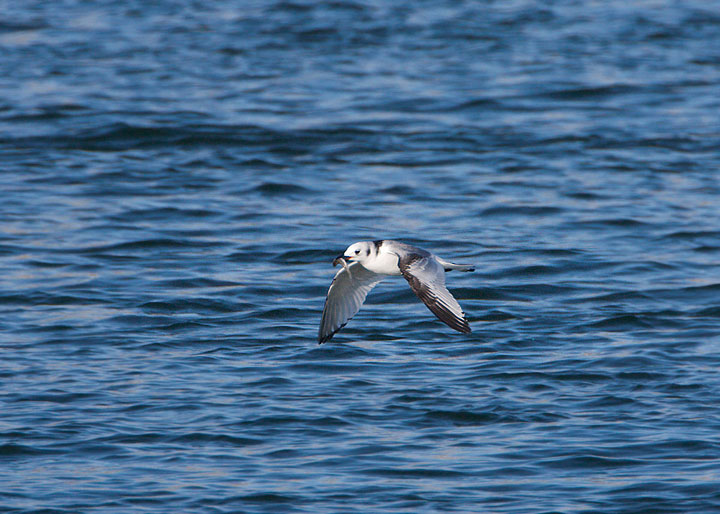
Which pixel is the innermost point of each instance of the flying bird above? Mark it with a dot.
(367, 262)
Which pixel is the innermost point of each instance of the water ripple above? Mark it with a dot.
(177, 182)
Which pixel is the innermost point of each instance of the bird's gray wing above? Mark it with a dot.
(345, 296)
(426, 277)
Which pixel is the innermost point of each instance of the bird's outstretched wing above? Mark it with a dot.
(426, 277)
(345, 296)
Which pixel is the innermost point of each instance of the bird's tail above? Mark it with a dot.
(449, 266)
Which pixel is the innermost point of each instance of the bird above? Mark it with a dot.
(366, 263)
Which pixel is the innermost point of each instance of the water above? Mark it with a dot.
(177, 178)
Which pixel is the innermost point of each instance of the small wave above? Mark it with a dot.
(465, 417)
(622, 322)
(542, 289)
(43, 298)
(708, 292)
(591, 93)
(280, 314)
(415, 473)
(262, 498)
(530, 271)
(609, 402)
(478, 104)
(709, 312)
(612, 222)
(219, 439)
(693, 235)
(398, 190)
(707, 248)
(303, 256)
(278, 188)
(55, 397)
(20, 450)
(198, 305)
(431, 104)
(621, 296)
(17, 26)
(497, 315)
(584, 462)
(488, 293)
(197, 283)
(520, 210)
(147, 244)
(137, 321)
(164, 213)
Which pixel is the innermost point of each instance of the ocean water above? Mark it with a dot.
(176, 178)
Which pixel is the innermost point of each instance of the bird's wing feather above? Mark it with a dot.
(345, 296)
(426, 277)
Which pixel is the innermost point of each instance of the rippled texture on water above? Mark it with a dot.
(177, 177)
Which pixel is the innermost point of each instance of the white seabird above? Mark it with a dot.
(366, 263)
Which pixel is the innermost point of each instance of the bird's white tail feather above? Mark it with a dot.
(451, 265)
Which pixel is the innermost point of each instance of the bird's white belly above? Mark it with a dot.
(385, 264)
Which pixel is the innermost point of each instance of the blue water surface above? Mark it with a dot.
(176, 178)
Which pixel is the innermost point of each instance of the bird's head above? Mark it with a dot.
(356, 252)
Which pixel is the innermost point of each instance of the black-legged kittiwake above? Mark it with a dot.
(366, 263)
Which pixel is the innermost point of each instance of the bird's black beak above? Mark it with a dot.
(339, 259)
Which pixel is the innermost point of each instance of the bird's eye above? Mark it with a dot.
(357, 252)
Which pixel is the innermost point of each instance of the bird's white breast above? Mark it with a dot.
(384, 263)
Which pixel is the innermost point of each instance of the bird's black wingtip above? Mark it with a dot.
(324, 338)
(461, 325)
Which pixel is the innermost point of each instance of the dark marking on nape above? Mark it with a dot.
(378, 244)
